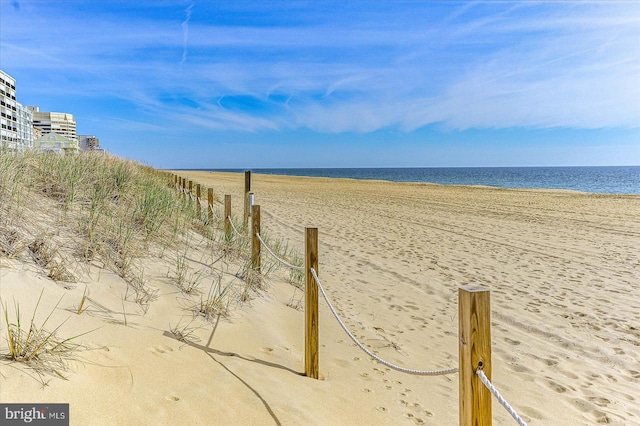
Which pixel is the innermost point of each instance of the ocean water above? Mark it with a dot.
(605, 180)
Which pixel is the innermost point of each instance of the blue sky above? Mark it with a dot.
(241, 84)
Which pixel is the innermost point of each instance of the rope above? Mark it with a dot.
(285, 263)
(367, 351)
(499, 397)
(215, 213)
(234, 228)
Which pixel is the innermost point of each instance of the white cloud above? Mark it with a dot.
(483, 65)
(185, 32)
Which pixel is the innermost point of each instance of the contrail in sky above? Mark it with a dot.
(185, 33)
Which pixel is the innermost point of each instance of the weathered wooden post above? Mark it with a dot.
(210, 204)
(175, 180)
(183, 186)
(475, 353)
(247, 189)
(255, 241)
(198, 194)
(190, 189)
(311, 364)
(227, 216)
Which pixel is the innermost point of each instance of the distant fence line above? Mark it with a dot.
(474, 325)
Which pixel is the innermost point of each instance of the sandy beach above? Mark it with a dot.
(563, 269)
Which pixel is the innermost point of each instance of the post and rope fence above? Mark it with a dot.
(311, 341)
(210, 204)
(198, 207)
(184, 189)
(255, 241)
(247, 190)
(227, 216)
(474, 334)
(474, 323)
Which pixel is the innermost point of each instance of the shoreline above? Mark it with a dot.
(415, 183)
(471, 185)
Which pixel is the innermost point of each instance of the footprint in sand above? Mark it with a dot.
(602, 402)
(172, 398)
(414, 419)
(161, 349)
(556, 386)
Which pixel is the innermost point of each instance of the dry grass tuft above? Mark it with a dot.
(11, 244)
(184, 332)
(36, 347)
(217, 302)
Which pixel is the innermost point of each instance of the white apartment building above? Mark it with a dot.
(8, 111)
(16, 130)
(57, 122)
(25, 125)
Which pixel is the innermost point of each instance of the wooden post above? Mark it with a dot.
(227, 216)
(175, 180)
(311, 365)
(183, 185)
(210, 204)
(475, 352)
(190, 189)
(255, 242)
(247, 189)
(198, 194)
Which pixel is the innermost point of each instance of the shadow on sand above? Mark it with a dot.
(211, 352)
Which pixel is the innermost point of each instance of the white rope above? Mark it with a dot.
(285, 263)
(214, 212)
(499, 397)
(367, 351)
(234, 228)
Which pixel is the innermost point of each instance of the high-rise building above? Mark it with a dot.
(57, 122)
(25, 125)
(89, 143)
(8, 111)
(17, 122)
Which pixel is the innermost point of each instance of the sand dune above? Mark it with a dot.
(564, 274)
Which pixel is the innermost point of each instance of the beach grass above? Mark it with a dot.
(35, 346)
(66, 214)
